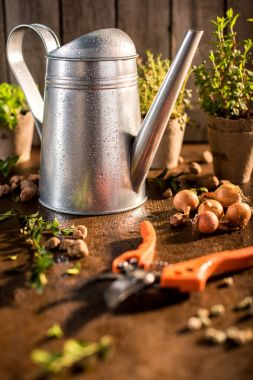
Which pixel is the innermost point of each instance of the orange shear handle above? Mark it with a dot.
(192, 275)
(145, 252)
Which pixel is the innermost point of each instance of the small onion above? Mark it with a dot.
(213, 206)
(228, 194)
(186, 201)
(206, 222)
(239, 214)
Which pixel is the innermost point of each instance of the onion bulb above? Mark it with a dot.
(238, 214)
(228, 194)
(213, 206)
(186, 201)
(206, 222)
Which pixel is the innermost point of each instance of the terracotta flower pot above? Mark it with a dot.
(170, 146)
(18, 141)
(231, 143)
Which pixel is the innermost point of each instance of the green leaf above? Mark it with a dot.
(12, 103)
(74, 270)
(73, 352)
(7, 164)
(55, 331)
(6, 215)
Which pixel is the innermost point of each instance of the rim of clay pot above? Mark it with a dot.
(230, 125)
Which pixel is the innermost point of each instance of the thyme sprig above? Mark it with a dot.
(74, 354)
(225, 83)
(35, 228)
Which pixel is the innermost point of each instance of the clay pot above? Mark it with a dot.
(231, 143)
(170, 146)
(17, 141)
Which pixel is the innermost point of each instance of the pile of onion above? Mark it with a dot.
(222, 208)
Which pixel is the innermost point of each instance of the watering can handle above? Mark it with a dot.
(20, 70)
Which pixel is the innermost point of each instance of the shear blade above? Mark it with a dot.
(126, 286)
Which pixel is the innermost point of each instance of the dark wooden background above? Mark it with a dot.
(158, 25)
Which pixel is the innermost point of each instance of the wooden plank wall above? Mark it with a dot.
(158, 25)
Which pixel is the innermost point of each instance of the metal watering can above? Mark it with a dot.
(95, 153)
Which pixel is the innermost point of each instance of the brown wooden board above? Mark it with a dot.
(3, 61)
(195, 14)
(245, 8)
(84, 16)
(35, 11)
(147, 22)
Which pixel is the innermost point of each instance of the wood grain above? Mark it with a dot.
(84, 16)
(245, 8)
(36, 11)
(147, 23)
(3, 60)
(195, 14)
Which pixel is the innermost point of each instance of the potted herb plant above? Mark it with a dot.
(225, 87)
(151, 75)
(16, 123)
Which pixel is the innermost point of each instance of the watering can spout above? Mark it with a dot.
(147, 140)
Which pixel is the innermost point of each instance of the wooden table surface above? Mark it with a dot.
(150, 342)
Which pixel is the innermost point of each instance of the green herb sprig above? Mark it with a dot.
(225, 83)
(7, 164)
(151, 74)
(34, 228)
(74, 353)
(12, 102)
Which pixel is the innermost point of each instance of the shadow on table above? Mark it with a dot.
(93, 305)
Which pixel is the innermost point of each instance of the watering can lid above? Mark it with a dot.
(103, 44)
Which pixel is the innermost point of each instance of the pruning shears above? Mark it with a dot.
(134, 270)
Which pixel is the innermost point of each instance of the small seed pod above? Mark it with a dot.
(202, 313)
(244, 304)
(239, 214)
(206, 222)
(80, 232)
(217, 310)
(213, 206)
(194, 324)
(167, 193)
(77, 249)
(214, 336)
(4, 190)
(207, 157)
(186, 201)
(239, 337)
(205, 321)
(53, 242)
(226, 282)
(195, 168)
(178, 219)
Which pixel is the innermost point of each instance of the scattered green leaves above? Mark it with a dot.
(12, 102)
(7, 164)
(168, 181)
(74, 270)
(6, 215)
(74, 353)
(151, 75)
(225, 85)
(55, 331)
(34, 228)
